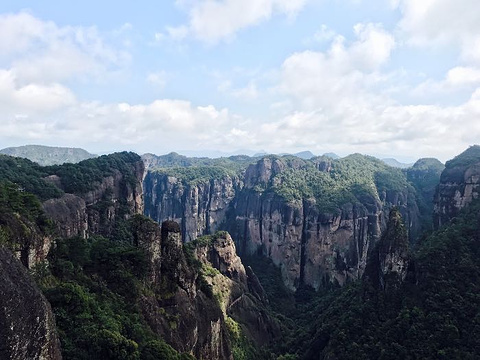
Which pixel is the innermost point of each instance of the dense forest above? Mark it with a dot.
(415, 300)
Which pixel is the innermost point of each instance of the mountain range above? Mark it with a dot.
(274, 257)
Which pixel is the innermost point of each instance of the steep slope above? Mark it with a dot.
(315, 219)
(97, 193)
(27, 323)
(417, 304)
(459, 185)
(432, 314)
(424, 175)
(120, 286)
(47, 155)
(26, 319)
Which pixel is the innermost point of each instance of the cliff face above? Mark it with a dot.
(179, 311)
(388, 262)
(312, 245)
(115, 197)
(241, 297)
(459, 185)
(199, 208)
(27, 323)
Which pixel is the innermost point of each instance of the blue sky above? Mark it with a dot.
(389, 78)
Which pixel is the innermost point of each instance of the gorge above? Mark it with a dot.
(255, 258)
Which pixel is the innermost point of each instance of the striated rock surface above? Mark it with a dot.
(312, 243)
(388, 262)
(115, 197)
(181, 312)
(26, 320)
(199, 208)
(241, 297)
(459, 185)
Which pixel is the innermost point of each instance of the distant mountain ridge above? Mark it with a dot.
(48, 155)
(395, 163)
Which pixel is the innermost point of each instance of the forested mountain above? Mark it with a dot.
(48, 155)
(338, 258)
(315, 219)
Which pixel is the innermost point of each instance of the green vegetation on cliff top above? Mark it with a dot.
(87, 174)
(74, 178)
(352, 179)
(455, 168)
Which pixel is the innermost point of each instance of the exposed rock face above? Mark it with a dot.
(184, 315)
(199, 209)
(26, 320)
(240, 294)
(25, 239)
(388, 262)
(311, 246)
(459, 185)
(96, 211)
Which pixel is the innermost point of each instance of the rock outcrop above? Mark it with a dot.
(311, 245)
(241, 297)
(459, 185)
(179, 310)
(115, 197)
(388, 261)
(26, 320)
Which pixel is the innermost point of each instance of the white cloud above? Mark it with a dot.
(373, 47)
(337, 105)
(323, 35)
(174, 124)
(41, 51)
(443, 22)
(32, 97)
(212, 21)
(341, 74)
(461, 75)
(249, 92)
(457, 79)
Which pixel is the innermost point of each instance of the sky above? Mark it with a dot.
(391, 78)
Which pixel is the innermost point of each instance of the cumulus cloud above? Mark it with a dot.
(443, 22)
(338, 106)
(164, 123)
(41, 51)
(212, 21)
(342, 73)
(32, 98)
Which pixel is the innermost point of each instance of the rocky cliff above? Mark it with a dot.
(241, 297)
(388, 261)
(315, 219)
(459, 185)
(114, 194)
(137, 277)
(203, 299)
(180, 311)
(26, 320)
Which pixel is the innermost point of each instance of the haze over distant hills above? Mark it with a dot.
(395, 163)
(48, 155)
